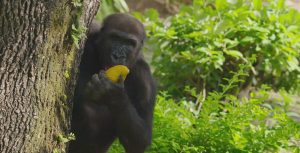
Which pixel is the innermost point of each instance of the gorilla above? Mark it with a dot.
(104, 111)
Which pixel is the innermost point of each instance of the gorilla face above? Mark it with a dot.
(119, 44)
(118, 47)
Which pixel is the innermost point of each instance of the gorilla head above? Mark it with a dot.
(119, 41)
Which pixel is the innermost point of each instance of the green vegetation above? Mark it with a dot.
(207, 40)
(108, 7)
(77, 30)
(255, 46)
(62, 139)
(224, 123)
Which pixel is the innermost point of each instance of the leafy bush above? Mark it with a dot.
(248, 125)
(245, 126)
(238, 125)
(207, 40)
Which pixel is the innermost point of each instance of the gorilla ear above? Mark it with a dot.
(97, 39)
(95, 26)
(143, 41)
(102, 27)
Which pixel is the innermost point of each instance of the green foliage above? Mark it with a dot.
(62, 139)
(247, 125)
(77, 3)
(65, 138)
(108, 7)
(77, 33)
(204, 43)
(77, 29)
(116, 147)
(174, 127)
(224, 123)
(207, 40)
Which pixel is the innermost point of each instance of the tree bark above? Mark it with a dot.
(38, 69)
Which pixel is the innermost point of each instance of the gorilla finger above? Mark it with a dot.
(95, 79)
(106, 84)
(121, 79)
(102, 74)
(120, 82)
(89, 85)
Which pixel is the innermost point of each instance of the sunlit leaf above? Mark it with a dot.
(257, 4)
(234, 53)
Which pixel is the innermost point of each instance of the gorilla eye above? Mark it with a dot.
(124, 40)
(130, 42)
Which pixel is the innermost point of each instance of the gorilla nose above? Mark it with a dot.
(118, 57)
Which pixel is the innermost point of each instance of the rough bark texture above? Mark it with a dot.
(38, 65)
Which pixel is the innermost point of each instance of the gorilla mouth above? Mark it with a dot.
(107, 67)
(114, 63)
(111, 65)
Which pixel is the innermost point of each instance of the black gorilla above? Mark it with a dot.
(104, 111)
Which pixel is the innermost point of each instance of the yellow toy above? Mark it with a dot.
(114, 73)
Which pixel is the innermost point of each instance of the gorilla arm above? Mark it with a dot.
(133, 111)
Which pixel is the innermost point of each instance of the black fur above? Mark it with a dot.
(104, 111)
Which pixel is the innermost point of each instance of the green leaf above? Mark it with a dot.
(247, 39)
(76, 3)
(257, 4)
(238, 140)
(121, 5)
(56, 150)
(231, 43)
(234, 53)
(170, 33)
(293, 114)
(194, 34)
(293, 28)
(223, 25)
(152, 14)
(280, 4)
(187, 55)
(293, 64)
(221, 4)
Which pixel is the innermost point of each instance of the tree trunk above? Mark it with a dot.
(38, 68)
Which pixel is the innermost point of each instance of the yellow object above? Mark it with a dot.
(114, 73)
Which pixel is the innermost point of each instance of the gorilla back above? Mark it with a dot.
(103, 110)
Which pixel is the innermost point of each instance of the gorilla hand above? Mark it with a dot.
(101, 87)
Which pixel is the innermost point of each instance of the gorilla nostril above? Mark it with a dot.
(114, 56)
(117, 56)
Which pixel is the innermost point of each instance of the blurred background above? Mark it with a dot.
(228, 73)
